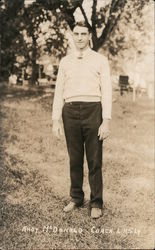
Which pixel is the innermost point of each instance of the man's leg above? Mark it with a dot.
(75, 145)
(94, 152)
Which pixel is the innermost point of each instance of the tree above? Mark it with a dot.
(106, 19)
(36, 18)
(139, 43)
(10, 19)
(113, 9)
(106, 25)
(21, 31)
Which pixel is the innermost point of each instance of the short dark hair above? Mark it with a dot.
(82, 24)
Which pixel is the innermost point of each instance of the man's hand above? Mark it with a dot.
(103, 131)
(57, 129)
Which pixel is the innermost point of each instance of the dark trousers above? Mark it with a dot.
(81, 123)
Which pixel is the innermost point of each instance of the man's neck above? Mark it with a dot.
(81, 53)
(82, 50)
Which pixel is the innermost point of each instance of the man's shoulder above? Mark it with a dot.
(65, 58)
(99, 55)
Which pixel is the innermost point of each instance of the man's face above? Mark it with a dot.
(81, 37)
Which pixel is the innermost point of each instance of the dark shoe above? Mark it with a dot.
(71, 206)
(96, 212)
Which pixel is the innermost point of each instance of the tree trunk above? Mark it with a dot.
(34, 65)
(95, 43)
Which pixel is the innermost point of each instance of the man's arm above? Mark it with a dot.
(106, 93)
(58, 102)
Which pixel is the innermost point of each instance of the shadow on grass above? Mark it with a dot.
(26, 203)
(22, 91)
(32, 214)
(33, 217)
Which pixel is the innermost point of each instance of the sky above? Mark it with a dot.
(87, 5)
(28, 2)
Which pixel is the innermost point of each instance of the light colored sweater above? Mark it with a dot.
(86, 79)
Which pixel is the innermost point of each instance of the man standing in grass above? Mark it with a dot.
(83, 98)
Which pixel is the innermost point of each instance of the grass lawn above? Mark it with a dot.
(35, 178)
